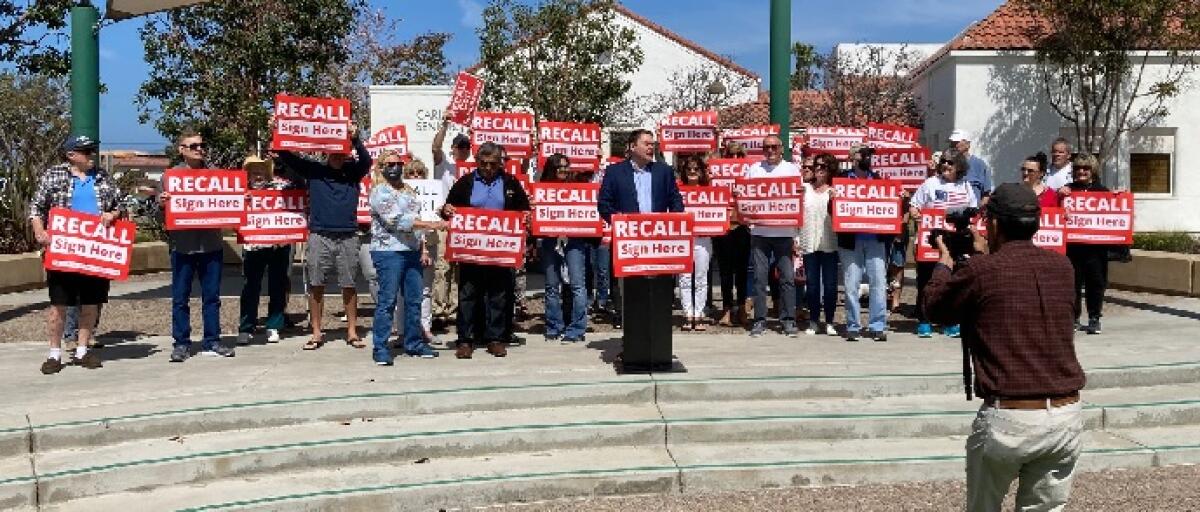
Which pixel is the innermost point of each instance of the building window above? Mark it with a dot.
(1150, 173)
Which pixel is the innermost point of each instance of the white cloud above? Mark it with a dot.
(472, 13)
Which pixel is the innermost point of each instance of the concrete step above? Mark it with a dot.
(449, 483)
(907, 416)
(1171, 445)
(438, 484)
(734, 466)
(69, 474)
(123, 420)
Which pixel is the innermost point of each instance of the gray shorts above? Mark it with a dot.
(332, 252)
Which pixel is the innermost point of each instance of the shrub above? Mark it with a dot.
(1167, 242)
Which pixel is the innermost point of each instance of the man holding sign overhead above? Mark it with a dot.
(333, 245)
(79, 186)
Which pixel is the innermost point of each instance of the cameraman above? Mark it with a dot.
(1016, 307)
(948, 190)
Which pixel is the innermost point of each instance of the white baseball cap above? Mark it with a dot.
(960, 135)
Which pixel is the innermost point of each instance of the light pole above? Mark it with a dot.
(85, 55)
(781, 42)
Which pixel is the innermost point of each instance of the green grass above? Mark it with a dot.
(1167, 242)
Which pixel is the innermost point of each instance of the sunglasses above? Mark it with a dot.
(772, 146)
(195, 146)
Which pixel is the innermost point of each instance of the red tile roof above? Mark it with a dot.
(759, 111)
(663, 31)
(1012, 26)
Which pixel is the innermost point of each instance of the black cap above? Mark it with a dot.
(461, 141)
(1013, 200)
(79, 143)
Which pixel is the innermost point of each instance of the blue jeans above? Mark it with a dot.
(185, 267)
(821, 269)
(869, 257)
(575, 258)
(601, 257)
(775, 252)
(393, 268)
(275, 263)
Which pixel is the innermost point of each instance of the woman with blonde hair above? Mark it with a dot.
(1090, 260)
(396, 252)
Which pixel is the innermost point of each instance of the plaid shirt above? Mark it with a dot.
(1016, 307)
(54, 189)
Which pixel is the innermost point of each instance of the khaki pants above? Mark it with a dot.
(1038, 447)
(445, 279)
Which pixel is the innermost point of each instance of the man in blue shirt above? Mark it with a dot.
(979, 175)
(77, 185)
(482, 306)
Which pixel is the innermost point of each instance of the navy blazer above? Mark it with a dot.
(618, 194)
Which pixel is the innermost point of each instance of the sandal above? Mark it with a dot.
(314, 343)
(356, 342)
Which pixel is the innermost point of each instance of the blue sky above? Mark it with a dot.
(735, 28)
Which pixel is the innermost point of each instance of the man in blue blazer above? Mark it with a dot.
(641, 185)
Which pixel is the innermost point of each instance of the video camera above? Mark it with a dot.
(959, 241)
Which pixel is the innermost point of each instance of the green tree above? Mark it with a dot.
(34, 119)
(1111, 67)
(375, 56)
(807, 73)
(31, 35)
(565, 60)
(218, 66)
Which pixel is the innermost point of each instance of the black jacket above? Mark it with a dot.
(515, 198)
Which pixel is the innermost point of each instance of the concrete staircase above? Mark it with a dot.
(444, 447)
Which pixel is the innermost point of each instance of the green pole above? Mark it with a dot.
(781, 60)
(85, 70)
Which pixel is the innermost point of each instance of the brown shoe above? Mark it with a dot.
(497, 349)
(726, 319)
(51, 366)
(464, 351)
(90, 360)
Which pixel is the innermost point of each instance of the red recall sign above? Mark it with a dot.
(464, 99)
(275, 217)
(866, 206)
(1099, 218)
(311, 124)
(392, 138)
(81, 244)
(723, 172)
(892, 136)
(834, 140)
(364, 200)
(580, 142)
(689, 131)
(931, 219)
(907, 166)
(514, 131)
(647, 244)
(1052, 231)
(751, 137)
(205, 198)
(566, 209)
(709, 207)
(486, 237)
(770, 201)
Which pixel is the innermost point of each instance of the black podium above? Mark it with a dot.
(646, 305)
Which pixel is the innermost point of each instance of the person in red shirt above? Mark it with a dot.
(1033, 175)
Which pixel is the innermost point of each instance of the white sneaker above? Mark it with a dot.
(273, 336)
(830, 331)
(812, 329)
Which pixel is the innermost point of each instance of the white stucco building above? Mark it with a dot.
(420, 107)
(986, 81)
